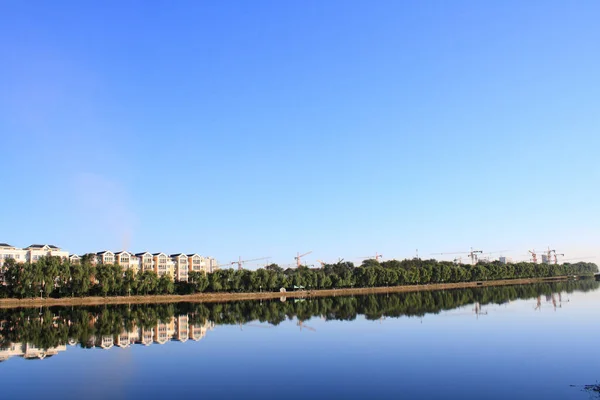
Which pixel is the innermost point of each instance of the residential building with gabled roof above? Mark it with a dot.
(146, 261)
(127, 261)
(36, 251)
(105, 257)
(74, 259)
(180, 266)
(162, 264)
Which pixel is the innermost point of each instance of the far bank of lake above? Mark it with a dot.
(226, 297)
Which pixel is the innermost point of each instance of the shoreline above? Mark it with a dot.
(227, 297)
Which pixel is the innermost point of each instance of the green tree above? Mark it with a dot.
(165, 285)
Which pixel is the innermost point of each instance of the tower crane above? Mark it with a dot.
(548, 255)
(377, 257)
(299, 256)
(533, 256)
(471, 254)
(240, 262)
(556, 256)
(577, 259)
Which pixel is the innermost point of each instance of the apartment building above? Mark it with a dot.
(162, 264)
(74, 259)
(7, 251)
(105, 257)
(146, 261)
(177, 266)
(211, 264)
(127, 261)
(31, 253)
(180, 266)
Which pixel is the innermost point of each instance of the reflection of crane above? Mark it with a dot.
(254, 326)
(554, 301)
(539, 303)
(260, 326)
(478, 311)
(299, 256)
(302, 325)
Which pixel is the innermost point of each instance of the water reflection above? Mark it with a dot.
(41, 333)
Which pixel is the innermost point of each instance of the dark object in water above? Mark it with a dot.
(593, 388)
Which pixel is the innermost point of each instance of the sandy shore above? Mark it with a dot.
(222, 297)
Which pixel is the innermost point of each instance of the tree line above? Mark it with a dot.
(54, 277)
(54, 326)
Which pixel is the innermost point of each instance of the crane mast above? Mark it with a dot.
(299, 256)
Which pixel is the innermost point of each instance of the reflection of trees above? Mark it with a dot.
(51, 327)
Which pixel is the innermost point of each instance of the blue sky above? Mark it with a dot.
(266, 128)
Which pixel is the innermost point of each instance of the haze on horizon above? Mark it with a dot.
(269, 128)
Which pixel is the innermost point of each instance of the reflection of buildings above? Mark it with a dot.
(28, 351)
(176, 329)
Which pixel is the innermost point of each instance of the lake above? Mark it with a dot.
(512, 342)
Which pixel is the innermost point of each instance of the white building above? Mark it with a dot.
(105, 257)
(7, 251)
(146, 261)
(180, 266)
(128, 261)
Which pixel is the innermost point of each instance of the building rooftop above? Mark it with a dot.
(41, 246)
(177, 255)
(5, 245)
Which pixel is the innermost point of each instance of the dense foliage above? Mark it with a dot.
(50, 327)
(50, 276)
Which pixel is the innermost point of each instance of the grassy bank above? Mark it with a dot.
(224, 297)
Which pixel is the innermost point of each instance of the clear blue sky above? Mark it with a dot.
(264, 128)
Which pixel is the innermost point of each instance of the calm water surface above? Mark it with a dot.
(525, 342)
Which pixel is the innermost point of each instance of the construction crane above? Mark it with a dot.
(471, 254)
(577, 258)
(376, 258)
(489, 253)
(240, 262)
(556, 256)
(533, 255)
(299, 256)
(323, 263)
(547, 258)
